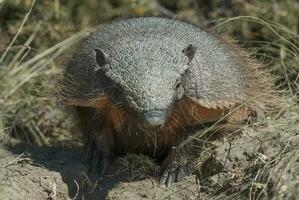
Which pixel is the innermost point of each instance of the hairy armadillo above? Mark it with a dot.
(137, 84)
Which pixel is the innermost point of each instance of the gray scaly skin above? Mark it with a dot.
(146, 65)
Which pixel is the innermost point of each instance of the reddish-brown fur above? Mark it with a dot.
(113, 116)
(185, 113)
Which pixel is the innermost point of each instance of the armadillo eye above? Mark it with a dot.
(116, 95)
(177, 84)
(179, 90)
(117, 92)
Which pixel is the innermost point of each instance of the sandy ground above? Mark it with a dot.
(260, 162)
(247, 165)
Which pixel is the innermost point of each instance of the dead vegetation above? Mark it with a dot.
(258, 162)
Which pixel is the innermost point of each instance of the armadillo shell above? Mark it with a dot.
(219, 75)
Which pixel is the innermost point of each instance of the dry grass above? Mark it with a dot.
(29, 108)
(32, 43)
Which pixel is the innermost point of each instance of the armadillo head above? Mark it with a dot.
(147, 79)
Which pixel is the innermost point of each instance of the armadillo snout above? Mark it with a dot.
(154, 119)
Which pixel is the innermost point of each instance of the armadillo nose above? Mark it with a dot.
(154, 119)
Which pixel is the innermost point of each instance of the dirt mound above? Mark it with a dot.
(261, 162)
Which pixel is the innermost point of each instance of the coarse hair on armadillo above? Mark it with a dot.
(223, 76)
(263, 96)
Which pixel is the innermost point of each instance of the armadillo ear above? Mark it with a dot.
(101, 59)
(189, 51)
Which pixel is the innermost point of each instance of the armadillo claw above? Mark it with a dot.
(87, 150)
(98, 160)
(103, 167)
(175, 168)
(169, 176)
(98, 166)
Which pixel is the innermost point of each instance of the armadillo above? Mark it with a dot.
(137, 84)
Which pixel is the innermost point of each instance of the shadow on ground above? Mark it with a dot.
(26, 158)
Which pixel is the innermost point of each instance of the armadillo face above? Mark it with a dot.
(148, 78)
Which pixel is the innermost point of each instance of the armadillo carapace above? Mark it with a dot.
(138, 84)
